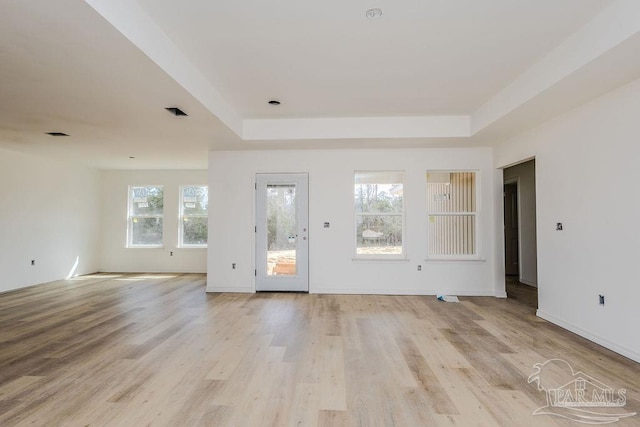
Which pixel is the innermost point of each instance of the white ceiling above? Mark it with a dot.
(326, 59)
(427, 73)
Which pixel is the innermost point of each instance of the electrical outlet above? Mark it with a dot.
(601, 297)
(33, 262)
(419, 268)
(233, 266)
(171, 253)
(558, 226)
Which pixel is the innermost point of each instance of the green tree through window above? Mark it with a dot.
(194, 212)
(378, 206)
(146, 210)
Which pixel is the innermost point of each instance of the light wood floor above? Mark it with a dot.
(137, 350)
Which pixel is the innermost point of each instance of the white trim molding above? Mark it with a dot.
(588, 335)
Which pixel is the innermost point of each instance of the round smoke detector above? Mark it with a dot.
(374, 13)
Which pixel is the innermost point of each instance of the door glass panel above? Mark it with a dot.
(281, 230)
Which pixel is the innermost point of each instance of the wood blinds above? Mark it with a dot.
(451, 207)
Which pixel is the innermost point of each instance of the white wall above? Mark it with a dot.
(525, 175)
(50, 213)
(587, 178)
(332, 268)
(116, 257)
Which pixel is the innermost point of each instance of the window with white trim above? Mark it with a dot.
(379, 214)
(146, 210)
(194, 216)
(452, 214)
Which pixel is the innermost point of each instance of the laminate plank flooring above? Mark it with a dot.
(155, 349)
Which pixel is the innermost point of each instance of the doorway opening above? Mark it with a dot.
(520, 246)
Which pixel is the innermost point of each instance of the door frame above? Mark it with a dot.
(515, 181)
(299, 282)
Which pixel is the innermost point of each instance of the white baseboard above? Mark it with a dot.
(152, 271)
(232, 289)
(369, 291)
(365, 291)
(588, 335)
(528, 282)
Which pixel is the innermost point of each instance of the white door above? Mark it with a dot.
(282, 237)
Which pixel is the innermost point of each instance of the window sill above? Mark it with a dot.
(191, 247)
(144, 247)
(455, 259)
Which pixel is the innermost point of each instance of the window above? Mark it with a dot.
(452, 214)
(379, 214)
(194, 211)
(146, 206)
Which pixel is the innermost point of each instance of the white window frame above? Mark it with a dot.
(131, 216)
(182, 215)
(476, 215)
(402, 256)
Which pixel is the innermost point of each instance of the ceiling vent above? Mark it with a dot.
(56, 133)
(176, 111)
